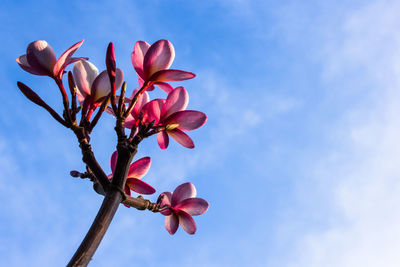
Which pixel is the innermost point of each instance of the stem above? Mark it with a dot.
(97, 231)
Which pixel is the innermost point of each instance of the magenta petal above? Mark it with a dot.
(181, 138)
(139, 168)
(101, 85)
(162, 139)
(193, 206)
(166, 87)
(113, 161)
(137, 57)
(187, 119)
(171, 76)
(23, 63)
(152, 111)
(186, 222)
(171, 223)
(166, 201)
(139, 186)
(63, 60)
(41, 57)
(84, 74)
(177, 100)
(159, 57)
(182, 192)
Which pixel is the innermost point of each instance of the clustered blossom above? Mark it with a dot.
(40, 59)
(165, 117)
(181, 206)
(137, 170)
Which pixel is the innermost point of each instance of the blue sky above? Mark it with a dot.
(298, 159)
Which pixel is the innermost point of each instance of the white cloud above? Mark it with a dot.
(357, 210)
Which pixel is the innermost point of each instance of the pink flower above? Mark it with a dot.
(133, 117)
(182, 205)
(152, 64)
(170, 114)
(92, 86)
(41, 60)
(137, 170)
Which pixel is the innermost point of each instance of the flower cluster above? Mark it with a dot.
(92, 90)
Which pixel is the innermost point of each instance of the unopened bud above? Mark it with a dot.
(75, 174)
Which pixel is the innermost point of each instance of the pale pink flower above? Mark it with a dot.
(40, 59)
(137, 170)
(152, 64)
(182, 205)
(92, 86)
(171, 116)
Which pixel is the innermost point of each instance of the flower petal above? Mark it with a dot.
(84, 74)
(186, 222)
(193, 206)
(62, 62)
(159, 57)
(41, 57)
(187, 120)
(166, 201)
(137, 57)
(139, 186)
(113, 160)
(143, 99)
(101, 85)
(171, 76)
(171, 223)
(139, 168)
(177, 100)
(166, 87)
(23, 63)
(152, 111)
(181, 138)
(162, 139)
(182, 192)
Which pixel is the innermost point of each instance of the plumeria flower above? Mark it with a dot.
(137, 170)
(182, 205)
(152, 64)
(92, 86)
(133, 118)
(40, 59)
(170, 115)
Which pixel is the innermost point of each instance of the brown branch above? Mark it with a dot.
(97, 231)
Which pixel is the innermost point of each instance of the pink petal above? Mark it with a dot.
(129, 122)
(137, 57)
(139, 168)
(62, 62)
(171, 223)
(187, 119)
(171, 76)
(186, 222)
(181, 138)
(162, 139)
(41, 57)
(113, 161)
(182, 192)
(159, 57)
(143, 99)
(84, 74)
(166, 201)
(139, 186)
(152, 111)
(177, 100)
(101, 86)
(23, 63)
(193, 206)
(166, 87)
